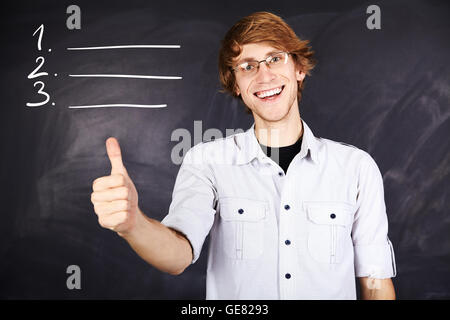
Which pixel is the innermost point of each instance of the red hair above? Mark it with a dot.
(256, 28)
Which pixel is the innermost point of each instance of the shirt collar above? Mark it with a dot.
(250, 149)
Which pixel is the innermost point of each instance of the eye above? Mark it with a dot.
(246, 67)
(275, 59)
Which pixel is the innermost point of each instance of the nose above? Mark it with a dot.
(264, 74)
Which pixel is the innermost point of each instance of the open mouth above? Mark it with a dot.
(271, 94)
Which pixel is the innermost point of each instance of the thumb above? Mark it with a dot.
(115, 156)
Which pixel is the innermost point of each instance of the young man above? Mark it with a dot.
(290, 215)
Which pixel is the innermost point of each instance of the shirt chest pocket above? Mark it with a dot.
(329, 231)
(241, 227)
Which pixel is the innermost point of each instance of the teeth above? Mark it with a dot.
(268, 93)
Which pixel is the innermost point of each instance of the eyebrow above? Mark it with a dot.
(254, 59)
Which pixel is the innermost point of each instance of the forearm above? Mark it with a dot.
(377, 289)
(159, 245)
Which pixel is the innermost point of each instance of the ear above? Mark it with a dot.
(236, 90)
(300, 75)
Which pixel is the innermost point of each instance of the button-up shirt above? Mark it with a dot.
(303, 234)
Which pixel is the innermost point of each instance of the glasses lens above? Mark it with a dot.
(277, 59)
(248, 67)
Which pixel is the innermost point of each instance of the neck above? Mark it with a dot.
(281, 133)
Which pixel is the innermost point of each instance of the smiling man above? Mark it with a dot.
(290, 215)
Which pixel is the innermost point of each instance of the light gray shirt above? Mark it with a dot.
(305, 234)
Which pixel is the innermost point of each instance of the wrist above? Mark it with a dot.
(138, 220)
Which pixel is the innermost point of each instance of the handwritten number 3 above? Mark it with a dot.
(47, 97)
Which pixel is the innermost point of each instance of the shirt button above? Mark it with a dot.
(241, 211)
(332, 216)
(288, 242)
(287, 207)
(287, 275)
(280, 174)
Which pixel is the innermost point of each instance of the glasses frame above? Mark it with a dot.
(266, 60)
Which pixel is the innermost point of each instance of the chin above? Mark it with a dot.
(275, 114)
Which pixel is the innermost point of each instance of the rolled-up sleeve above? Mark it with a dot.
(373, 251)
(192, 209)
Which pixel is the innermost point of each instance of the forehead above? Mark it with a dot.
(255, 51)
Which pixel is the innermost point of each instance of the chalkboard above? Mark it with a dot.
(385, 90)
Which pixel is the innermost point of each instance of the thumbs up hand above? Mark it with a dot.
(114, 197)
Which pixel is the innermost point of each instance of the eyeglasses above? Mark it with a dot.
(274, 61)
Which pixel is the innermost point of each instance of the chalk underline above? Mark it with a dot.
(141, 46)
(118, 105)
(126, 76)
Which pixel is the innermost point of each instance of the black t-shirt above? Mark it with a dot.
(285, 154)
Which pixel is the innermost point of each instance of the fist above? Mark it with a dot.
(114, 197)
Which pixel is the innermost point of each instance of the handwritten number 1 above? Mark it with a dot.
(41, 31)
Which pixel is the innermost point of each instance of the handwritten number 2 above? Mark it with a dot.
(33, 73)
(40, 91)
